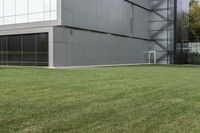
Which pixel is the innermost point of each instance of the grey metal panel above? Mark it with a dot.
(141, 23)
(59, 46)
(68, 7)
(112, 16)
(84, 48)
(126, 14)
(103, 19)
(143, 3)
(59, 51)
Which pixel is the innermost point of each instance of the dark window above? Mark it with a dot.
(29, 50)
(14, 50)
(42, 48)
(26, 50)
(4, 51)
(0, 52)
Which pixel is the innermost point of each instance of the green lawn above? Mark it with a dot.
(151, 99)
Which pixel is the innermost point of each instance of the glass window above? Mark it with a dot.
(36, 6)
(22, 19)
(0, 52)
(47, 16)
(36, 17)
(42, 48)
(21, 7)
(29, 48)
(9, 7)
(1, 21)
(14, 50)
(23, 11)
(53, 5)
(26, 50)
(47, 5)
(9, 20)
(1, 8)
(53, 15)
(4, 48)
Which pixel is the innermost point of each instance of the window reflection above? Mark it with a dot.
(23, 11)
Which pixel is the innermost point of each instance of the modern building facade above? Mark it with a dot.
(59, 33)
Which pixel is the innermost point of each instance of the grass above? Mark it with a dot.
(151, 99)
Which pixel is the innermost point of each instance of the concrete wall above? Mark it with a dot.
(81, 48)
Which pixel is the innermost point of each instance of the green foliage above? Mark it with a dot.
(194, 21)
(137, 99)
(192, 2)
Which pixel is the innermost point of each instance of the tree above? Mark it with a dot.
(192, 2)
(194, 21)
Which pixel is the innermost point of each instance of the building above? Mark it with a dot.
(59, 33)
